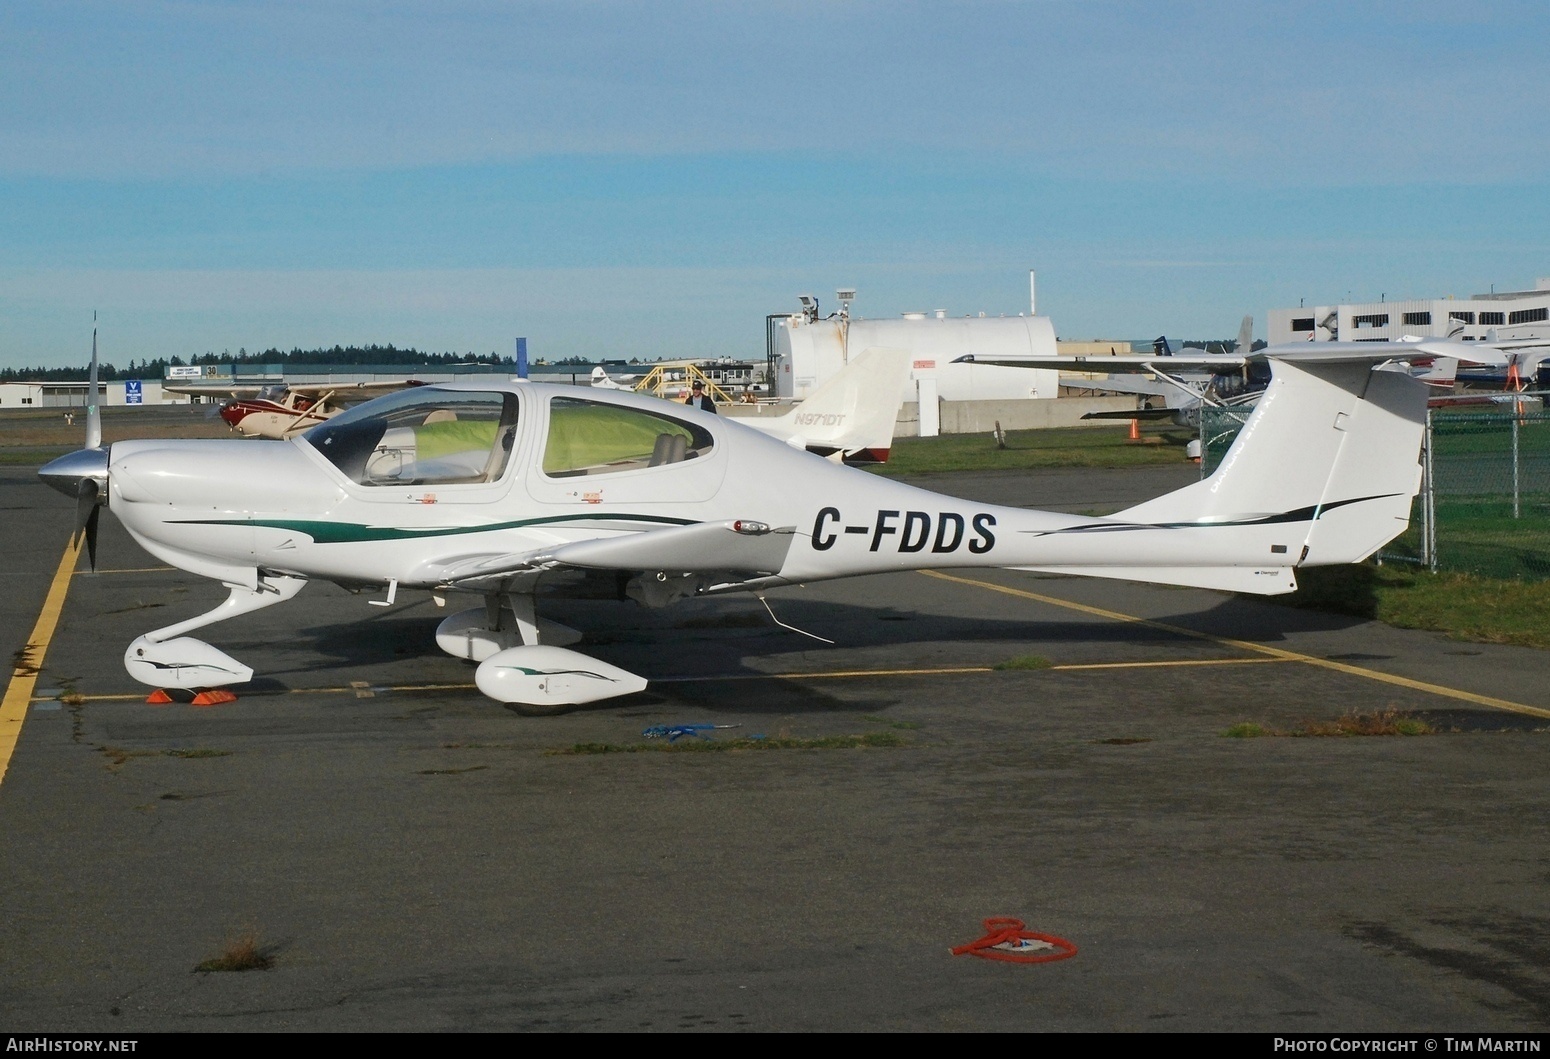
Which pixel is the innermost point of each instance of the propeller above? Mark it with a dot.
(84, 474)
(93, 413)
(88, 508)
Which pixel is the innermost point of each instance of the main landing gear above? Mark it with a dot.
(523, 659)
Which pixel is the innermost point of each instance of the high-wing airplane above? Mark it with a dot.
(1180, 382)
(282, 412)
(490, 488)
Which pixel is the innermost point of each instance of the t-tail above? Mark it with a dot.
(1322, 473)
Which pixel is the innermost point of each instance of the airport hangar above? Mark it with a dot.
(1503, 316)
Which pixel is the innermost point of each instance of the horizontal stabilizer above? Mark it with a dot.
(1259, 581)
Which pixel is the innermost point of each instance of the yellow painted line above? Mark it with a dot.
(1181, 662)
(345, 690)
(24, 678)
(136, 570)
(830, 674)
(1246, 645)
(356, 690)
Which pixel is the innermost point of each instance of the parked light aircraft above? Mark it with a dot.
(281, 412)
(1182, 383)
(489, 488)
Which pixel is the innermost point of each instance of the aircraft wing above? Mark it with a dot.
(1307, 352)
(1168, 389)
(745, 547)
(212, 390)
(1139, 413)
(361, 390)
(1136, 362)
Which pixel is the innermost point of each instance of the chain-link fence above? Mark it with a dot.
(1484, 506)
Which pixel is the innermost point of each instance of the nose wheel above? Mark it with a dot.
(172, 663)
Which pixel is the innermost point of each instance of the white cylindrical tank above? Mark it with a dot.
(813, 351)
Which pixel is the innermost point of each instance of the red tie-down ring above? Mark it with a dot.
(1010, 940)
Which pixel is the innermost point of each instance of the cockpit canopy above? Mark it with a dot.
(431, 436)
(597, 437)
(422, 436)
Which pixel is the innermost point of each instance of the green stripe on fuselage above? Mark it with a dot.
(354, 532)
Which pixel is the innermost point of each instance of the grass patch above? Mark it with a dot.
(1024, 662)
(1384, 722)
(1247, 730)
(703, 746)
(1030, 449)
(1466, 607)
(242, 953)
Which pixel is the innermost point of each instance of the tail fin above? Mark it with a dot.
(1245, 344)
(852, 413)
(1333, 444)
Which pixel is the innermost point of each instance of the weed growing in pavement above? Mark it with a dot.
(242, 953)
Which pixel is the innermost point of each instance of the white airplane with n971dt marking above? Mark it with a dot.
(489, 488)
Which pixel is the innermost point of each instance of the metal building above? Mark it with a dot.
(1483, 317)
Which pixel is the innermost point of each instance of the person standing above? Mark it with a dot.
(698, 398)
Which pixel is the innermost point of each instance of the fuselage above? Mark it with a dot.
(394, 512)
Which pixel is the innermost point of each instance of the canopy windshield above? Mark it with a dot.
(421, 436)
(594, 437)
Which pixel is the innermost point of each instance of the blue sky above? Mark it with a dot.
(652, 179)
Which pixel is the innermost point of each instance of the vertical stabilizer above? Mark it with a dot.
(1334, 443)
(1245, 344)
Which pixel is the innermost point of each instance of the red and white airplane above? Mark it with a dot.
(282, 412)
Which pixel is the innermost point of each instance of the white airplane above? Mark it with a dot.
(488, 488)
(281, 412)
(603, 381)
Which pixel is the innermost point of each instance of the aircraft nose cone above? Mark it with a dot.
(231, 413)
(66, 473)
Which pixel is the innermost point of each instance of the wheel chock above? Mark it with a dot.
(158, 698)
(214, 697)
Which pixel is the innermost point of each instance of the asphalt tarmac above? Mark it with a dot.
(413, 856)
